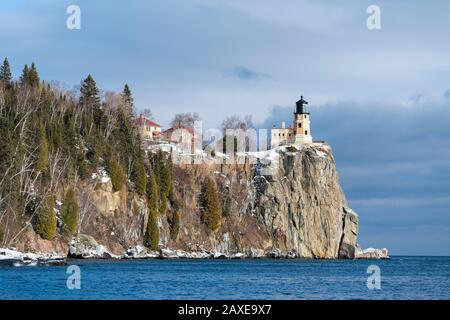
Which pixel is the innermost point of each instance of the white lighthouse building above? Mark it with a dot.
(299, 133)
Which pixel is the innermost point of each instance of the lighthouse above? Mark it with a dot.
(299, 133)
(302, 123)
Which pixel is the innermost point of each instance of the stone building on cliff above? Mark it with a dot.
(148, 129)
(299, 133)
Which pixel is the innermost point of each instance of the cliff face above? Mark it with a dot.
(303, 208)
(293, 203)
(288, 204)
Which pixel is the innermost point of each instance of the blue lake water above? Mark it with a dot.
(401, 278)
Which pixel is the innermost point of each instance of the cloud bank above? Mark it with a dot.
(394, 163)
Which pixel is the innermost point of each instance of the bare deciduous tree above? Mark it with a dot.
(147, 113)
(185, 120)
(235, 122)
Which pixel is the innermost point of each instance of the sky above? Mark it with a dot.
(381, 98)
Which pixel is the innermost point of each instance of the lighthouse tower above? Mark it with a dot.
(302, 124)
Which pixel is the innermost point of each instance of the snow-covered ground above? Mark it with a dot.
(101, 175)
(16, 258)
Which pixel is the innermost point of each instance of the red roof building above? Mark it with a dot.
(147, 128)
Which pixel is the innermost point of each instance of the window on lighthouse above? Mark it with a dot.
(306, 132)
(300, 125)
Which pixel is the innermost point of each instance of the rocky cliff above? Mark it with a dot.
(285, 203)
(291, 203)
(302, 206)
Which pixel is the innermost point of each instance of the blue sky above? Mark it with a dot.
(381, 98)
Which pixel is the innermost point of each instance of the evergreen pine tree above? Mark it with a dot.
(152, 192)
(127, 96)
(70, 211)
(152, 232)
(33, 76)
(116, 174)
(139, 176)
(90, 98)
(5, 72)
(210, 205)
(174, 224)
(163, 203)
(24, 78)
(89, 92)
(128, 103)
(45, 223)
(43, 151)
(163, 173)
(7, 144)
(169, 173)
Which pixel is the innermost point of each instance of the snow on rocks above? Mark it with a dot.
(12, 257)
(371, 253)
(140, 252)
(278, 254)
(219, 255)
(85, 247)
(101, 175)
(238, 255)
(168, 254)
(257, 253)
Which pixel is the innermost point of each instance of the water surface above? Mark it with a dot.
(401, 278)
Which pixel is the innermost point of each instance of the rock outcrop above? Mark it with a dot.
(371, 253)
(286, 203)
(104, 199)
(85, 247)
(302, 205)
(12, 257)
(283, 203)
(347, 247)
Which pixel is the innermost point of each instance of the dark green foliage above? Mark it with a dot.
(5, 72)
(139, 174)
(152, 231)
(30, 76)
(7, 143)
(140, 178)
(163, 204)
(43, 152)
(116, 174)
(24, 78)
(210, 206)
(124, 137)
(292, 149)
(174, 223)
(128, 107)
(90, 100)
(69, 212)
(11, 160)
(33, 76)
(162, 167)
(39, 123)
(127, 96)
(89, 92)
(82, 165)
(45, 222)
(152, 192)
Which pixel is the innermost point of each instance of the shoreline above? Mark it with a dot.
(14, 258)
